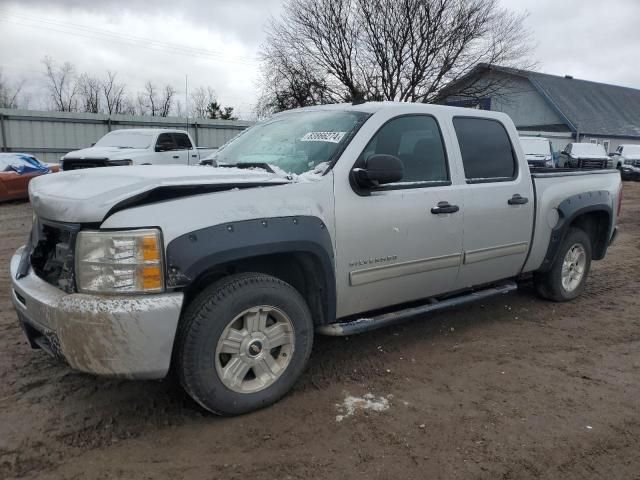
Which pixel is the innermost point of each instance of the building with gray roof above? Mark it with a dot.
(564, 109)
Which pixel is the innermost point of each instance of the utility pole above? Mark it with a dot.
(186, 101)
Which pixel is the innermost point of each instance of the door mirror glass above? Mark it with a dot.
(379, 169)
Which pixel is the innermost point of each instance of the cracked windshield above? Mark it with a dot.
(292, 143)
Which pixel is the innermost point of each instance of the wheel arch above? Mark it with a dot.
(591, 212)
(297, 250)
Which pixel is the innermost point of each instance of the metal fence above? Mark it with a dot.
(49, 135)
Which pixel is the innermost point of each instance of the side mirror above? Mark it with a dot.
(160, 148)
(93, 144)
(379, 169)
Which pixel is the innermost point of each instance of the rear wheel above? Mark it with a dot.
(243, 342)
(567, 277)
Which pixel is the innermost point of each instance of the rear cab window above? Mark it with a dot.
(486, 149)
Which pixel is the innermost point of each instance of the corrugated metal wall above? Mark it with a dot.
(49, 135)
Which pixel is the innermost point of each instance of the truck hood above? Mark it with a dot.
(112, 153)
(88, 196)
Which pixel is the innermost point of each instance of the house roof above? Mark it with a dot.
(589, 107)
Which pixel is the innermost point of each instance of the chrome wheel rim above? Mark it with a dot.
(255, 349)
(573, 267)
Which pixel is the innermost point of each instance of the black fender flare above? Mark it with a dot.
(192, 254)
(570, 209)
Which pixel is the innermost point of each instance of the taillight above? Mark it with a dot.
(620, 201)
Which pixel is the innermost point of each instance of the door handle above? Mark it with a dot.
(444, 207)
(176, 156)
(518, 199)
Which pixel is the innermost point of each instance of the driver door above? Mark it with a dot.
(391, 248)
(167, 151)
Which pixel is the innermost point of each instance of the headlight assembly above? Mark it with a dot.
(119, 261)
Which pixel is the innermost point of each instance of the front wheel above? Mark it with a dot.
(243, 342)
(567, 277)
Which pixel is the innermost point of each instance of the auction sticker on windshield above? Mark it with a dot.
(333, 137)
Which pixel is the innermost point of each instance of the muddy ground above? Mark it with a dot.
(513, 388)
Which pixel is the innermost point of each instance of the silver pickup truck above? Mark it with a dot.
(332, 220)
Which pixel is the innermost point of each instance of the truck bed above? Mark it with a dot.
(554, 185)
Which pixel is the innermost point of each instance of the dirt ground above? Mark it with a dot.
(513, 388)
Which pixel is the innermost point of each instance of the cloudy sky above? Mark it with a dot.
(215, 42)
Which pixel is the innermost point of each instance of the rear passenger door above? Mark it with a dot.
(498, 200)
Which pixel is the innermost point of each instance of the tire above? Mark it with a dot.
(553, 285)
(228, 329)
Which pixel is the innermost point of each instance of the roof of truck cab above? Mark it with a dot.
(154, 131)
(401, 107)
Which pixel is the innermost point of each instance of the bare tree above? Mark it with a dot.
(89, 91)
(63, 88)
(148, 100)
(201, 98)
(9, 93)
(166, 100)
(323, 51)
(154, 102)
(114, 94)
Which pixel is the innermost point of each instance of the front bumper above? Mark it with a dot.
(118, 335)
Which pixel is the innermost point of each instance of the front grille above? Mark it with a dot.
(77, 164)
(635, 163)
(592, 164)
(52, 253)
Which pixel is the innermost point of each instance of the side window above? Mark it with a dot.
(486, 150)
(416, 141)
(619, 150)
(165, 142)
(182, 141)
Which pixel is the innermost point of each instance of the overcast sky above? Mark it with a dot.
(215, 42)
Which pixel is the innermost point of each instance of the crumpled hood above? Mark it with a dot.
(112, 153)
(88, 195)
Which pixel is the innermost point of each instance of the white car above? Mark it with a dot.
(584, 155)
(627, 159)
(144, 146)
(538, 151)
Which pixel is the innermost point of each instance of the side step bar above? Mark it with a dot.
(384, 320)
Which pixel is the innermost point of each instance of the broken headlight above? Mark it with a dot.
(119, 261)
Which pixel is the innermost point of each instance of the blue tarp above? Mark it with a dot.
(22, 163)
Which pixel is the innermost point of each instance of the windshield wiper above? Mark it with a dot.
(248, 165)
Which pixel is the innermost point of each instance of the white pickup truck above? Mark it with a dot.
(141, 146)
(332, 220)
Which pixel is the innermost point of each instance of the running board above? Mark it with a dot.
(366, 324)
